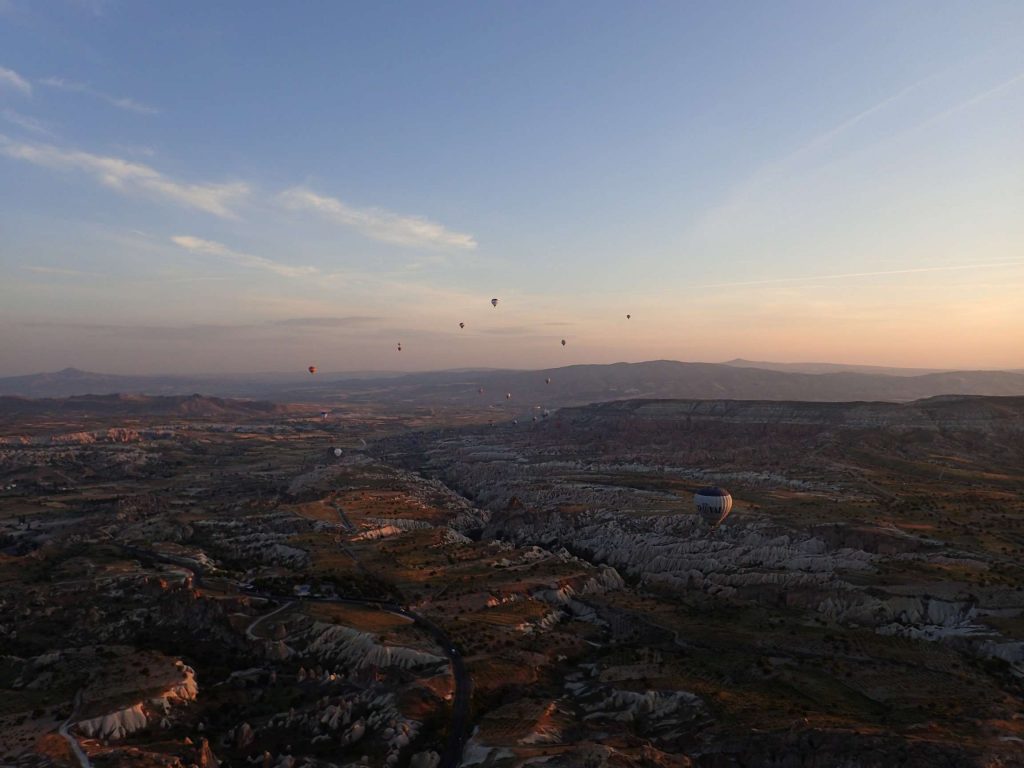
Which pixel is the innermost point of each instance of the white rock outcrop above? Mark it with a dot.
(115, 725)
(346, 646)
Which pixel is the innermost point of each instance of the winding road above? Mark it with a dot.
(76, 748)
(250, 631)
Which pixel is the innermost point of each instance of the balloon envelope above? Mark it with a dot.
(494, 302)
(713, 504)
(312, 369)
(338, 451)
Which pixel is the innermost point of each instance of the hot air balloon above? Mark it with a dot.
(713, 504)
(494, 302)
(462, 325)
(399, 346)
(547, 381)
(338, 451)
(323, 415)
(628, 316)
(563, 342)
(508, 395)
(312, 369)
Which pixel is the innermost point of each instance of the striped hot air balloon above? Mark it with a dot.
(713, 504)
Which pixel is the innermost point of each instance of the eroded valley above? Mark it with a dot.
(221, 583)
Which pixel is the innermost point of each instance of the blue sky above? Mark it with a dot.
(256, 186)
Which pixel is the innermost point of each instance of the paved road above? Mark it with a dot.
(458, 730)
(83, 759)
(344, 519)
(459, 727)
(251, 629)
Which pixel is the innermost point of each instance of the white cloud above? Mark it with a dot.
(11, 79)
(131, 178)
(121, 102)
(212, 248)
(26, 122)
(378, 224)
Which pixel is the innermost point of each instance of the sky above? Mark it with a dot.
(189, 187)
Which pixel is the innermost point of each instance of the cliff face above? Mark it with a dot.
(155, 699)
(343, 645)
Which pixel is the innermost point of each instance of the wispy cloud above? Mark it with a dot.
(130, 178)
(27, 123)
(197, 279)
(510, 330)
(855, 275)
(135, 149)
(94, 7)
(121, 102)
(377, 223)
(11, 79)
(194, 332)
(977, 98)
(212, 248)
(59, 271)
(326, 322)
(825, 139)
(766, 179)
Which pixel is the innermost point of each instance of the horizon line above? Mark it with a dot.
(731, 363)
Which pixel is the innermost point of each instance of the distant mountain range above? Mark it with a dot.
(572, 385)
(181, 406)
(580, 384)
(739, 362)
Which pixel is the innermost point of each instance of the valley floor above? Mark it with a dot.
(229, 591)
